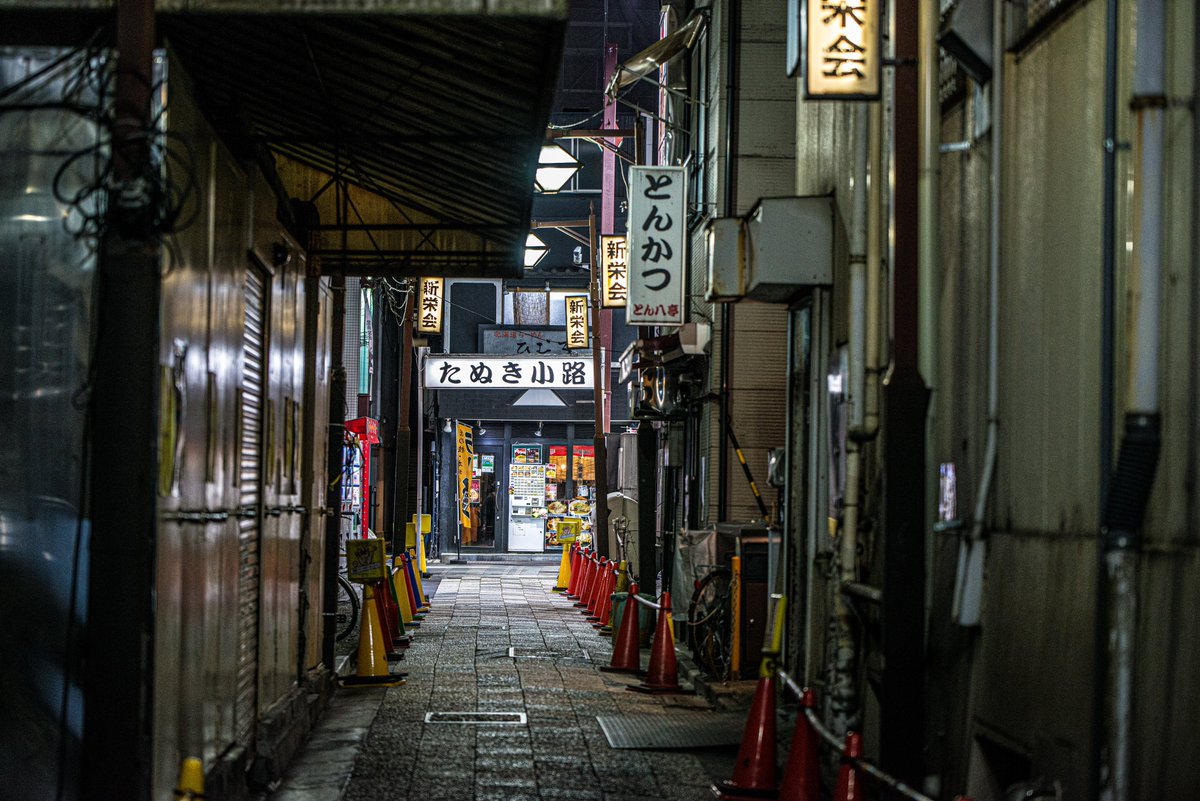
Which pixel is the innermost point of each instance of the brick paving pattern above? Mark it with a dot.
(460, 661)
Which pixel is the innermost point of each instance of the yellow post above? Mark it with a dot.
(191, 779)
(773, 649)
(421, 531)
(735, 655)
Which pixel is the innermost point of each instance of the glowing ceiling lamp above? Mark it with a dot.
(555, 167)
(535, 250)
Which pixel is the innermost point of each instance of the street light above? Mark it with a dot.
(535, 250)
(555, 167)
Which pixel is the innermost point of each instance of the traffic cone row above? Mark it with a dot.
(594, 582)
(389, 607)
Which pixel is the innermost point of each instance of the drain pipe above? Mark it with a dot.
(843, 691)
(872, 368)
(1131, 485)
(968, 589)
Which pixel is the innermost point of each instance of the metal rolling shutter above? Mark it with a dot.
(250, 501)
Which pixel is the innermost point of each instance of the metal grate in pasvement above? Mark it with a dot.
(476, 718)
(672, 731)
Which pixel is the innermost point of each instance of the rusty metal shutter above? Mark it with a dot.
(250, 501)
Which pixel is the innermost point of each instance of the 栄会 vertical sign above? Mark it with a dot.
(577, 321)
(842, 49)
(429, 312)
(657, 237)
(466, 452)
(614, 271)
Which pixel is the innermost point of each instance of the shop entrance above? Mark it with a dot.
(484, 490)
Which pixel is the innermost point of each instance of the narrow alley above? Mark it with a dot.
(498, 639)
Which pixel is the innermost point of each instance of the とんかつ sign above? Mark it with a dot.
(657, 231)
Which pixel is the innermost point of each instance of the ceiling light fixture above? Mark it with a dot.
(555, 168)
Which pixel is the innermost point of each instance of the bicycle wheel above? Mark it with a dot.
(710, 623)
(347, 608)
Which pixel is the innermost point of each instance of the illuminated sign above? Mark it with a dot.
(657, 227)
(614, 271)
(477, 371)
(842, 49)
(577, 321)
(429, 319)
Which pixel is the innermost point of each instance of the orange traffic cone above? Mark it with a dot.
(588, 563)
(597, 589)
(848, 786)
(604, 602)
(372, 668)
(401, 638)
(573, 582)
(802, 773)
(382, 597)
(754, 772)
(662, 676)
(626, 656)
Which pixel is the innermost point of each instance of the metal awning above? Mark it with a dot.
(659, 53)
(413, 125)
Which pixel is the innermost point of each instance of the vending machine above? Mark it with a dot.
(526, 507)
(361, 434)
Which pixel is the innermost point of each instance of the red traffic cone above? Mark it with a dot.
(848, 786)
(662, 676)
(802, 773)
(754, 771)
(597, 584)
(588, 563)
(573, 582)
(603, 594)
(626, 656)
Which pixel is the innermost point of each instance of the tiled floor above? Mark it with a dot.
(374, 744)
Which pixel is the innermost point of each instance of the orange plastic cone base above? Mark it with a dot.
(754, 771)
(626, 657)
(848, 786)
(662, 676)
(802, 773)
(589, 609)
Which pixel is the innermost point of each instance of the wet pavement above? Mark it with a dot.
(498, 640)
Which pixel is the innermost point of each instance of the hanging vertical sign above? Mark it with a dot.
(429, 319)
(657, 230)
(466, 451)
(842, 49)
(577, 321)
(614, 271)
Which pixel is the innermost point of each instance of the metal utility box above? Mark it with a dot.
(726, 257)
(790, 244)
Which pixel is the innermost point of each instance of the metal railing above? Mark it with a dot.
(858, 762)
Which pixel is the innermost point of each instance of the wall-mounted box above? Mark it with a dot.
(789, 246)
(726, 252)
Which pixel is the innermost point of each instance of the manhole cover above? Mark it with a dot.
(502, 718)
(672, 731)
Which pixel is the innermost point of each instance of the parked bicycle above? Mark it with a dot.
(710, 621)
(348, 603)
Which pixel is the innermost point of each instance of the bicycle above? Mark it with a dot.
(710, 621)
(347, 608)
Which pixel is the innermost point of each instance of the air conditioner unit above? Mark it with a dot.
(726, 252)
(790, 246)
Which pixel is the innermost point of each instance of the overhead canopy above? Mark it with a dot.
(430, 113)
(659, 53)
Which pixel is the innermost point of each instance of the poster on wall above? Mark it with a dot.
(487, 463)
(465, 447)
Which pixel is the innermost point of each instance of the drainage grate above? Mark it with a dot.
(672, 731)
(500, 718)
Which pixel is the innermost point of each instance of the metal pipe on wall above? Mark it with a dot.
(334, 448)
(1131, 485)
(732, 8)
(968, 590)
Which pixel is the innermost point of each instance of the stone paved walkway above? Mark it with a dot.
(461, 660)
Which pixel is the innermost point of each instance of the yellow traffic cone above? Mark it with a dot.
(191, 779)
(400, 585)
(422, 598)
(372, 668)
(564, 565)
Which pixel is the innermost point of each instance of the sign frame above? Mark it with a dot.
(871, 42)
(614, 271)
(431, 305)
(657, 206)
